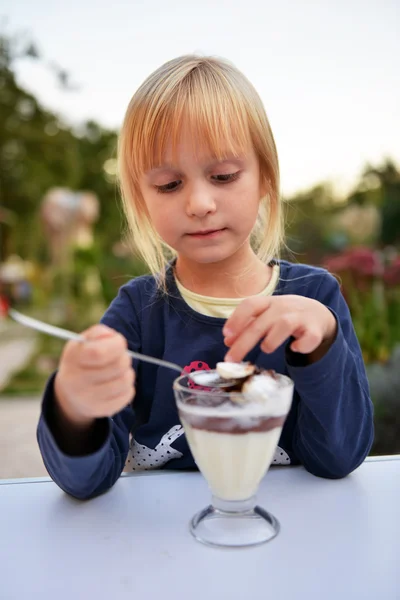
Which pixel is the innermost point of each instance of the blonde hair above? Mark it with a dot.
(226, 113)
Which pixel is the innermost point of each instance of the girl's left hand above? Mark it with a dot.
(273, 319)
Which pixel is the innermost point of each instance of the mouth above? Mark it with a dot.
(207, 233)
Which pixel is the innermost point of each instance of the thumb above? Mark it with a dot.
(98, 331)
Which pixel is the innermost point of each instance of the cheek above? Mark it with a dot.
(245, 204)
(163, 218)
(248, 218)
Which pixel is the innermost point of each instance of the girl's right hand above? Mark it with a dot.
(95, 378)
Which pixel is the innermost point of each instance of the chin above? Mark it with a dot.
(208, 256)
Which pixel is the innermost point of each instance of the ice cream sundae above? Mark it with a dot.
(233, 433)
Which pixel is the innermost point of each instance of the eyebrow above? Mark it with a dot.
(164, 167)
(171, 167)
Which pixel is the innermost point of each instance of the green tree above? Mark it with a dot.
(380, 186)
(38, 151)
(307, 217)
(389, 178)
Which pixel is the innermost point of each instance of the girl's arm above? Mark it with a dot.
(334, 430)
(86, 465)
(96, 468)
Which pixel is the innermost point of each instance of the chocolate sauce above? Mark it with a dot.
(233, 424)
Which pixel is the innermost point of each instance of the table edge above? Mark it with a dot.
(17, 481)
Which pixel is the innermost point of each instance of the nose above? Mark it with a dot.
(200, 201)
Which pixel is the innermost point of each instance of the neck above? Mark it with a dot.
(239, 276)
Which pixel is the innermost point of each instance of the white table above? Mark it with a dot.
(339, 540)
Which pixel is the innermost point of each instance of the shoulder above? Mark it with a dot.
(141, 289)
(305, 280)
(132, 302)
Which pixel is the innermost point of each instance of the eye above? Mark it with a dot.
(168, 187)
(225, 177)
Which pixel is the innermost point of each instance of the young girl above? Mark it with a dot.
(199, 177)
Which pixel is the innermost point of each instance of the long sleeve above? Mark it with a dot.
(334, 430)
(90, 475)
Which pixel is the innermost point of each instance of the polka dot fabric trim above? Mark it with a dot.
(143, 458)
(280, 457)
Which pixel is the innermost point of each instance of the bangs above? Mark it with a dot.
(201, 102)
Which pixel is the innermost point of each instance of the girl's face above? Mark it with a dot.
(203, 208)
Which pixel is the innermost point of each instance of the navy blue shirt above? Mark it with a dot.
(329, 429)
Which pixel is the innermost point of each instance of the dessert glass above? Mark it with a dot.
(233, 437)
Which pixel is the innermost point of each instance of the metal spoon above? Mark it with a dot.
(199, 377)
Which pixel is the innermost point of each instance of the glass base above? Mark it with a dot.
(232, 524)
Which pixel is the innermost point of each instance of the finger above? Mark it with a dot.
(121, 403)
(252, 334)
(230, 339)
(97, 332)
(99, 353)
(307, 342)
(247, 311)
(112, 391)
(72, 349)
(111, 372)
(111, 408)
(280, 331)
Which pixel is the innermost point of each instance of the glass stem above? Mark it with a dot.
(233, 506)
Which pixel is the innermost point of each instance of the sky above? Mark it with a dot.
(328, 71)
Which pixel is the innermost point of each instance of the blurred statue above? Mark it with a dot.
(68, 218)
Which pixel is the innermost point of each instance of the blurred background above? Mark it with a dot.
(328, 74)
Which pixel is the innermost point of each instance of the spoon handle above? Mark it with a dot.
(64, 334)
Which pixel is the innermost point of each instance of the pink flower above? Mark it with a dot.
(359, 261)
(337, 264)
